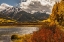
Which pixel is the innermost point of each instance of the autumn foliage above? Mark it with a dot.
(52, 32)
(48, 34)
(58, 13)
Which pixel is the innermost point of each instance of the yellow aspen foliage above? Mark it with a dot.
(58, 13)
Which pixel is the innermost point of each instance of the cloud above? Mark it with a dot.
(4, 6)
(33, 5)
(38, 5)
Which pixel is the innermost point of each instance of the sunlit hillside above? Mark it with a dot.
(2, 20)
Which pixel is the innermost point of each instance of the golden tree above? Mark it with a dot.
(58, 12)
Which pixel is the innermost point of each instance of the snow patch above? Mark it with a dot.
(3, 6)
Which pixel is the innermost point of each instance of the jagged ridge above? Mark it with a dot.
(19, 15)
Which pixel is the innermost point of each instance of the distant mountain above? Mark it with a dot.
(19, 15)
(4, 6)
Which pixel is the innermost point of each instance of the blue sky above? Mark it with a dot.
(10, 2)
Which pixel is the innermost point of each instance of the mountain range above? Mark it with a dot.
(17, 14)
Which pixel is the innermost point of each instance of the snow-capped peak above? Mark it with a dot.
(4, 6)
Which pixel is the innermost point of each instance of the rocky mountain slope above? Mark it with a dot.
(19, 15)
